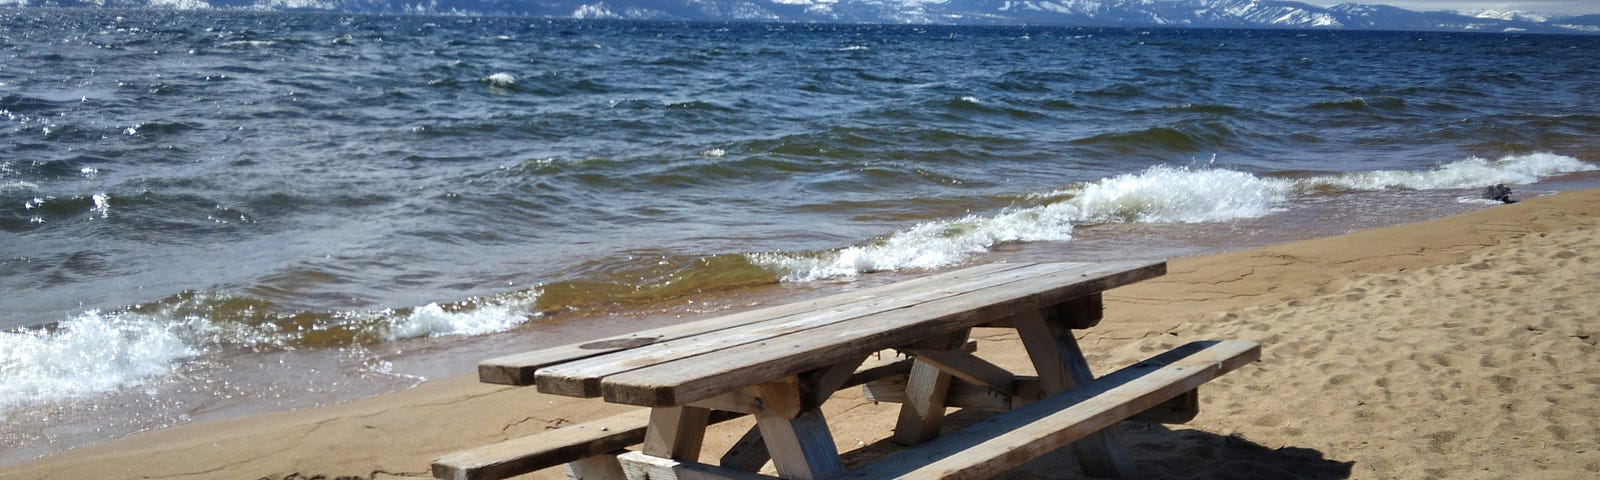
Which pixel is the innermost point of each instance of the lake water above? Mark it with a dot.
(209, 214)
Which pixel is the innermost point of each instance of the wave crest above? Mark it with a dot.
(1159, 194)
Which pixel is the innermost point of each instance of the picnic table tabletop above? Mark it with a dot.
(686, 363)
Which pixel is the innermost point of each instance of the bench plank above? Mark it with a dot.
(702, 376)
(545, 449)
(519, 369)
(582, 378)
(1004, 441)
(1047, 336)
(603, 436)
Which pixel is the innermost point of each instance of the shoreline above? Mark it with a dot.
(1427, 324)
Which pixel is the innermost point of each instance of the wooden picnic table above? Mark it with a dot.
(781, 363)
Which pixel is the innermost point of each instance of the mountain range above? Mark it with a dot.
(1115, 13)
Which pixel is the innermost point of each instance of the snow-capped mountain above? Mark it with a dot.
(1153, 13)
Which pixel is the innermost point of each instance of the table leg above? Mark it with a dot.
(926, 388)
(802, 448)
(1061, 366)
(598, 467)
(676, 432)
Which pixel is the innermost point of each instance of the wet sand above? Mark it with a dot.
(1463, 347)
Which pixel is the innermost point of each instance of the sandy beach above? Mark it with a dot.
(1457, 348)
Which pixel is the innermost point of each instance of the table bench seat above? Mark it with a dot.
(606, 436)
(1001, 442)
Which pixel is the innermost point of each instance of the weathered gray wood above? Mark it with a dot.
(519, 369)
(582, 378)
(1061, 366)
(999, 443)
(814, 388)
(962, 394)
(748, 454)
(1179, 410)
(926, 387)
(598, 467)
(802, 448)
(545, 449)
(922, 414)
(779, 397)
(968, 368)
(676, 432)
(698, 377)
(639, 466)
(599, 437)
(980, 398)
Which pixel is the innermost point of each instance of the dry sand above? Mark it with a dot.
(1457, 348)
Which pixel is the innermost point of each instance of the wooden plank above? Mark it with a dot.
(519, 369)
(702, 376)
(582, 378)
(748, 454)
(999, 443)
(962, 394)
(926, 387)
(968, 368)
(1061, 366)
(802, 448)
(676, 432)
(780, 397)
(543, 450)
(922, 414)
(639, 466)
(814, 388)
(598, 437)
(1179, 410)
(598, 467)
(967, 396)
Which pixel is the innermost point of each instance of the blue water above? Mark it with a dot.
(187, 197)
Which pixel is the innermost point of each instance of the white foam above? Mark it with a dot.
(928, 245)
(1164, 194)
(1473, 172)
(434, 320)
(501, 79)
(1159, 194)
(102, 205)
(88, 354)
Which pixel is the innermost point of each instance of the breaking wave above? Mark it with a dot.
(1159, 194)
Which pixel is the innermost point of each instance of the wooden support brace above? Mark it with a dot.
(676, 432)
(802, 448)
(927, 386)
(639, 466)
(1061, 366)
(598, 467)
(781, 397)
(963, 395)
(748, 454)
(969, 368)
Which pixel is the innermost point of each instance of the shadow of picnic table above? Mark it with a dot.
(1166, 453)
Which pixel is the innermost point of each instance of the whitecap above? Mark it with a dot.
(1159, 194)
(1472, 172)
(90, 353)
(470, 318)
(501, 79)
